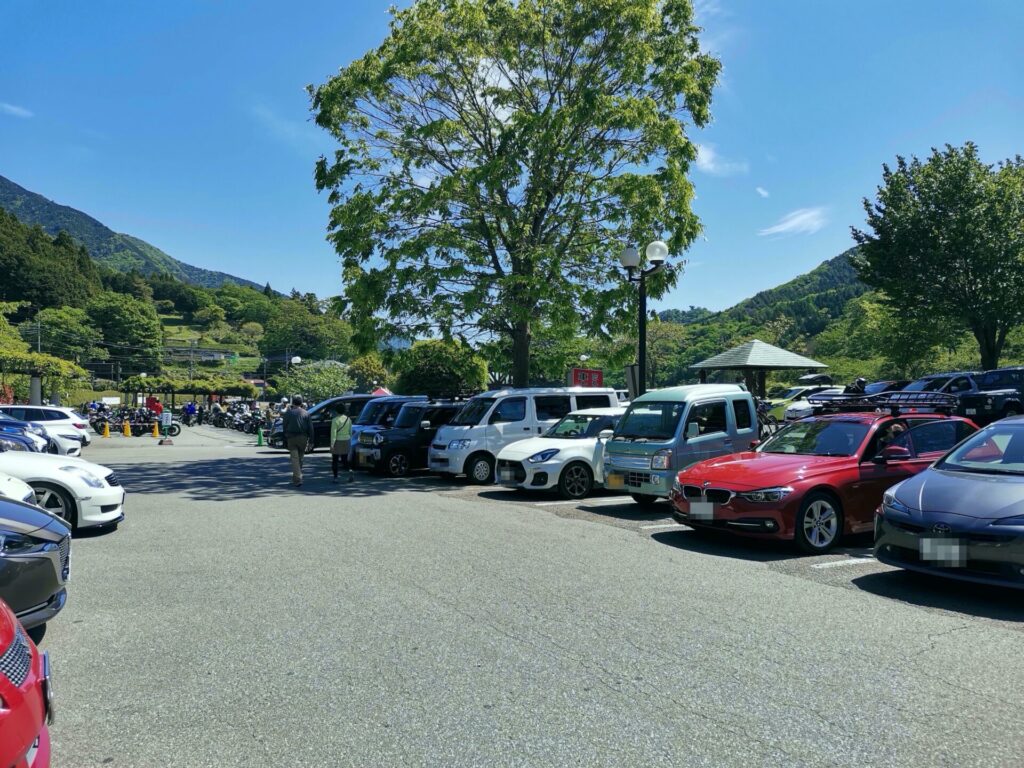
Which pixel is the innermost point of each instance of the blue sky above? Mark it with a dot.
(185, 123)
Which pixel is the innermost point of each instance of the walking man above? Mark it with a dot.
(298, 433)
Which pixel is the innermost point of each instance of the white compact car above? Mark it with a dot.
(13, 488)
(55, 418)
(82, 493)
(569, 456)
(801, 409)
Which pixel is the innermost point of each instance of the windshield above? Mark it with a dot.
(818, 438)
(998, 450)
(473, 412)
(878, 386)
(577, 425)
(789, 394)
(410, 416)
(650, 421)
(372, 412)
(927, 385)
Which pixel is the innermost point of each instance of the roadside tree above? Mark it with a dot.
(440, 369)
(495, 155)
(130, 327)
(315, 381)
(946, 244)
(368, 371)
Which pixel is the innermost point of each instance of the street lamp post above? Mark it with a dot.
(656, 252)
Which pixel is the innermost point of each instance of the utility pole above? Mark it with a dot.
(191, 343)
(39, 336)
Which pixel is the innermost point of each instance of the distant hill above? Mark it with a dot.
(117, 251)
(810, 301)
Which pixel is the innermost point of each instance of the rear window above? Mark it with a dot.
(594, 401)
(995, 379)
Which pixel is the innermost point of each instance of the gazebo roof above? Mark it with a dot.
(756, 355)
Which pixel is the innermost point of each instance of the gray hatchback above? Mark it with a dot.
(35, 561)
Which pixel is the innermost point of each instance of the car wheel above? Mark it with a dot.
(55, 500)
(819, 525)
(1011, 410)
(644, 499)
(576, 481)
(397, 464)
(480, 469)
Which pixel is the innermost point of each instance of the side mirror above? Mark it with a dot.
(692, 430)
(606, 434)
(424, 425)
(754, 444)
(892, 453)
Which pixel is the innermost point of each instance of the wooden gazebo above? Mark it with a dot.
(754, 359)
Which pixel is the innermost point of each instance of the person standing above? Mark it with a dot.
(341, 440)
(298, 434)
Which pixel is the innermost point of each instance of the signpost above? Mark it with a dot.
(586, 377)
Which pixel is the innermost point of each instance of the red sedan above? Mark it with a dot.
(25, 703)
(817, 479)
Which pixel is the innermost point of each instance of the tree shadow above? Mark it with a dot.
(926, 591)
(232, 478)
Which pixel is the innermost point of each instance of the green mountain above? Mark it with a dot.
(123, 253)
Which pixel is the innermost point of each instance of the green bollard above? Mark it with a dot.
(259, 437)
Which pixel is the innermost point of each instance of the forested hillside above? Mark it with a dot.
(123, 253)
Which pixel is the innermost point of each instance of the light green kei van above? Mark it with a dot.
(667, 430)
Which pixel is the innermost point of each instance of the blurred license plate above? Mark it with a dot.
(507, 476)
(702, 510)
(971, 411)
(949, 553)
(615, 481)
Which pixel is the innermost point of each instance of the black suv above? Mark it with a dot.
(1000, 394)
(321, 414)
(398, 449)
(957, 383)
(379, 413)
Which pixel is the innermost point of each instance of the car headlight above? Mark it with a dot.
(84, 475)
(766, 495)
(661, 459)
(36, 430)
(543, 456)
(12, 543)
(891, 505)
(378, 439)
(459, 445)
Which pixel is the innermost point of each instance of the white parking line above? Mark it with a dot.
(663, 527)
(850, 561)
(594, 503)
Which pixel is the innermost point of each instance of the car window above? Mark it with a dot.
(812, 437)
(997, 449)
(16, 413)
(959, 384)
(441, 416)
(650, 421)
(509, 409)
(741, 410)
(709, 418)
(551, 407)
(594, 401)
(934, 437)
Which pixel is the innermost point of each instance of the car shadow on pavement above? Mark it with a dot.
(597, 504)
(724, 545)
(235, 478)
(1000, 603)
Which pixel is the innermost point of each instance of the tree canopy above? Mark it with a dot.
(440, 369)
(494, 155)
(946, 243)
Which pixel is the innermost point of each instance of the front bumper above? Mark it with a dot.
(523, 474)
(449, 462)
(983, 558)
(735, 515)
(37, 616)
(367, 456)
(649, 482)
(105, 506)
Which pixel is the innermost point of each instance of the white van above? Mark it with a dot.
(469, 443)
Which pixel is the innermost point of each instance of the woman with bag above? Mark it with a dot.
(341, 438)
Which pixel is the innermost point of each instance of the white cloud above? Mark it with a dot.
(710, 162)
(802, 221)
(761, 191)
(14, 110)
(301, 135)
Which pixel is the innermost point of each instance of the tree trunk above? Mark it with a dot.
(521, 354)
(990, 345)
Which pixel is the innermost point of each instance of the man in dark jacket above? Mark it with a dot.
(298, 433)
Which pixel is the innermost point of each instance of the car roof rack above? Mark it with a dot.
(895, 402)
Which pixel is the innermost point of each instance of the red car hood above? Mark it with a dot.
(750, 470)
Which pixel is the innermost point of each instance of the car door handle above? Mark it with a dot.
(526, 429)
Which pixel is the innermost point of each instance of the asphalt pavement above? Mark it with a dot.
(232, 620)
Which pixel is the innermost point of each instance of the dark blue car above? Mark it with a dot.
(963, 517)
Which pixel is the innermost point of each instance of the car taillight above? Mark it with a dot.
(80, 426)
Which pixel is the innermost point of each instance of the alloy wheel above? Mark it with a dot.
(398, 465)
(53, 501)
(821, 523)
(481, 470)
(576, 481)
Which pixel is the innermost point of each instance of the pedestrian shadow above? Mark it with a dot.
(925, 591)
(721, 544)
(230, 479)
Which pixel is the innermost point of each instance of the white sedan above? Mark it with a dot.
(82, 493)
(569, 456)
(801, 409)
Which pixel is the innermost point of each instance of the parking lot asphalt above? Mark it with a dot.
(232, 620)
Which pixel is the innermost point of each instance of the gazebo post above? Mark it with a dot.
(761, 389)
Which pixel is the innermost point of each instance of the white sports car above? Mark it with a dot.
(569, 456)
(82, 493)
(13, 488)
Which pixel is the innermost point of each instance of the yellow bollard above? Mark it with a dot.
(126, 429)
(106, 429)
(156, 430)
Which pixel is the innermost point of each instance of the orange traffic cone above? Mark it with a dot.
(156, 430)
(126, 429)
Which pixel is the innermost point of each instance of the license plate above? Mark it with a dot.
(948, 553)
(971, 411)
(702, 510)
(615, 482)
(508, 476)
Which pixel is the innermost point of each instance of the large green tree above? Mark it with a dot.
(315, 381)
(131, 330)
(440, 369)
(946, 243)
(294, 330)
(494, 155)
(65, 332)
